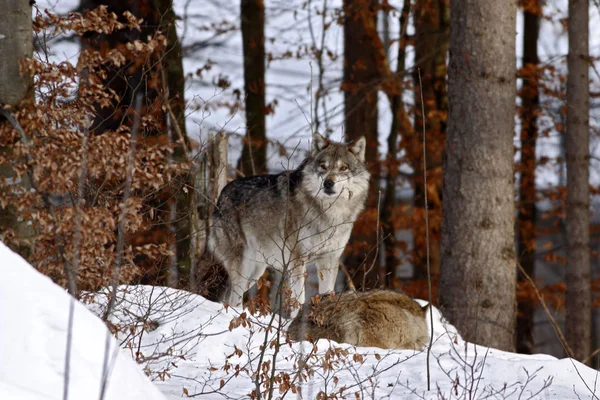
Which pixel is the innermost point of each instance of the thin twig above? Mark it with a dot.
(348, 277)
(174, 121)
(553, 322)
(588, 358)
(78, 215)
(121, 239)
(426, 232)
(123, 213)
(68, 351)
(378, 243)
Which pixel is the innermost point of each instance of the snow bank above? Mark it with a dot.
(186, 342)
(34, 321)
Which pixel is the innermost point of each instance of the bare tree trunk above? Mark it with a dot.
(16, 43)
(400, 123)
(478, 271)
(253, 160)
(182, 200)
(431, 46)
(527, 193)
(360, 103)
(578, 298)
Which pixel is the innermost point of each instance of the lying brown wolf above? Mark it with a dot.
(379, 318)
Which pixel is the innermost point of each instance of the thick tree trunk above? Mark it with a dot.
(478, 271)
(361, 77)
(578, 298)
(527, 211)
(253, 160)
(16, 43)
(431, 46)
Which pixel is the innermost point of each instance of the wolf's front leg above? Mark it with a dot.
(327, 270)
(296, 283)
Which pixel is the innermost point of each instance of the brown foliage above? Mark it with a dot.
(78, 179)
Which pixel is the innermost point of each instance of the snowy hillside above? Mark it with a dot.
(34, 330)
(184, 343)
(189, 346)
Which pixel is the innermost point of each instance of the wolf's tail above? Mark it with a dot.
(212, 279)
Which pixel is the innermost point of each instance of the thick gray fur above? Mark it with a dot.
(286, 220)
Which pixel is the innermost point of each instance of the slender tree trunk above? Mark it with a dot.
(527, 194)
(16, 44)
(400, 123)
(578, 298)
(181, 221)
(478, 271)
(253, 160)
(431, 46)
(360, 103)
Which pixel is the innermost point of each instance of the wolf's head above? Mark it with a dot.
(336, 170)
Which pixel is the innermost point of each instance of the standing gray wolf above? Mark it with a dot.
(380, 318)
(286, 220)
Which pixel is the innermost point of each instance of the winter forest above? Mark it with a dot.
(127, 127)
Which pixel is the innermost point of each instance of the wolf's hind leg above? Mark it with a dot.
(239, 281)
(248, 272)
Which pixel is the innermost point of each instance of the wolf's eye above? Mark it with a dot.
(323, 166)
(343, 167)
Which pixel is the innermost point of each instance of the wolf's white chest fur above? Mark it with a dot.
(327, 233)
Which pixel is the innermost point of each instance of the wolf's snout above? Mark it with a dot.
(328, 184)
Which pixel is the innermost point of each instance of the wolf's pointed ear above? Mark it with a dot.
(318, 143)
(358, 148)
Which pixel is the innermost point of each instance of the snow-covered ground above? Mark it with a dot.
(190, 346)
(34, 332)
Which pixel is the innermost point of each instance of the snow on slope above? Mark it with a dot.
(183, 341)
(187, 342)
(34, 315)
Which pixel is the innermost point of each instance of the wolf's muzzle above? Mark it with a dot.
(328, 184)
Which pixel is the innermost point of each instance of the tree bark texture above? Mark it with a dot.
(253, 160)
(360, 86)
(172, 65)
(432, 30)
(478, 266)
(16, 43)
(578, 297)
(530, 102)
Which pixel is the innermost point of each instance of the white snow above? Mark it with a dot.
(184, 343)
(190, 343)
(34, 321)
